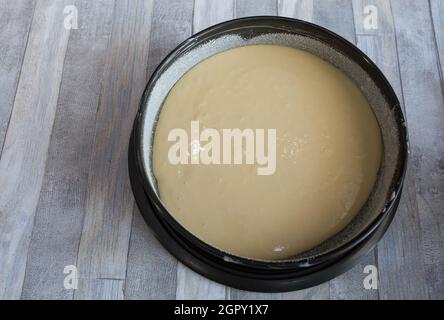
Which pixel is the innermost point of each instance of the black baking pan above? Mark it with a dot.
(336, 254)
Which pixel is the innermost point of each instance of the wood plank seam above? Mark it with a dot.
(388, 35)
(95, 137)
(402, 102)
(46, 156)
(438, 56)
(375, 257)
(192, 17)
(415, 28)
(22, 240)
(128, 251)
(401, 98)
(20, 73)
(65, 167)
(110, 195)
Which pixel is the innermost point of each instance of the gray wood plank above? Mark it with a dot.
(319, 292)
(101, 289)
(152, 272)
(236, 294)
(193, 286)
(423, 98)
(208, 13)
(336, 15)
(298, 9)
(15, 21)
(400, 267)
(380, 46)
(25, 149)
(437, 12)
(172, 25)
(245, 8)
(59, 215)
(105, 237)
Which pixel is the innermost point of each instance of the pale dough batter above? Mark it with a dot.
(328, 151)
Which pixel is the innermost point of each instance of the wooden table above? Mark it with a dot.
(67, 101)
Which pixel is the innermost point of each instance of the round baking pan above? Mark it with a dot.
(336, 254)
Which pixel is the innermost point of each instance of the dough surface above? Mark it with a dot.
(328, 151)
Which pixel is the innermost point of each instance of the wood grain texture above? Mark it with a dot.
(319, 292)
(171, 25)
(152, 272)
(66, 113)
(25, 149)
(245, 8)
(336, 15)
(236, 294)
(298, 9)
(437, 13)
(106, 231)
(423, 98)
(101, 289)
(191, 285)
(15, 22)
(396, 264)
(59, 215)
(400, 267)
(208, 13)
